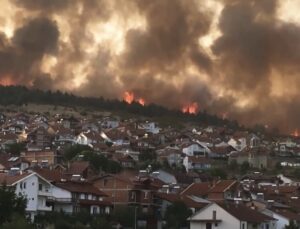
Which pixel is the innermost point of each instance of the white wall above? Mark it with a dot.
(30, 191)
(60, 193)
(228, 221)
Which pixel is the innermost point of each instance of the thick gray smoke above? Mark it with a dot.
(154, 49)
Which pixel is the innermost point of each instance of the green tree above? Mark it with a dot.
(219, 173)
(125, 215)
(291, 225)
(18, 222)
(176, 215)
(245, 167)
(74, 150)
(233, 165)
(16, 148)
(100, 163)
(10, 204)
(100, 222)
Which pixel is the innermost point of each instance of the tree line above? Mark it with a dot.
(21, 95)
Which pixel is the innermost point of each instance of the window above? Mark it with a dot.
(208, 226)
(243, 225)
(40, 187)
(104, 182)
(24, 185)
(133, 195)
(214, 215)
(146, 194)
(95, 210)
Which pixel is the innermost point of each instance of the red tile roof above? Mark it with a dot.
(80, 187)
(50, 175)
(244, 213)
(197, 189)
(78, 167)
(222, 186)
(11, 179)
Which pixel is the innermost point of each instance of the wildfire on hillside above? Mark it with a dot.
(7, 81)
(295, 133)
(129, 97)
(192, 108)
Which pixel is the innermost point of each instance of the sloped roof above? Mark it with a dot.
(197, 189)
(80, 187)
(243, 213)
(222, 186)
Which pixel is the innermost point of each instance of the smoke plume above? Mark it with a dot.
(233, 57)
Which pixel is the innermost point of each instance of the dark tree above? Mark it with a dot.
(10, 204)
(291, 225)
(73, 151)
(218, 173)
(177, 214)
(15, 148)
(245, 167)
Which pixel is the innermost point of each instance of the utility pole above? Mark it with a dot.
(135, 217)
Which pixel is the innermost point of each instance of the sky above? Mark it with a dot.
(239, 59)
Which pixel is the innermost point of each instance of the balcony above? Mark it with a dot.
(44, 208)
(59, 200)
(44, 193)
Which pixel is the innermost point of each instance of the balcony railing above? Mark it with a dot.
(60, 200)
(44, 193)
(44, 208)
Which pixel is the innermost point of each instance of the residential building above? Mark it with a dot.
(230, 216)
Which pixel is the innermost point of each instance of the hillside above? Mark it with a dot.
(20, 95)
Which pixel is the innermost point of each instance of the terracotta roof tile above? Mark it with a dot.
(244, 213)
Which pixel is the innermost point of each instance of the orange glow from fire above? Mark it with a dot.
(191, 108)
(224, 115)
(6, 81)
(129, 97)
(295, 133)
(141, 101)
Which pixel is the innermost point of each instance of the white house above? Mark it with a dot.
(230, 216)
(283, 218)
(238, 144)
(35, 188)
(62, 200)
(194, 149)
(89, 137)
(196, 163)
(150, 127)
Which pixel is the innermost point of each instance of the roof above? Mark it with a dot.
(197, 189)
(187, 200)
(289, 215)
(5, 178)
(50, 175)
(243, 213)
(197, 159)
(80, 187)
(78, 167)
(222, 186)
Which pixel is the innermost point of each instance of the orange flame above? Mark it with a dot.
(295, 133)
(6, 81)
(141, 101)
(190, 108)
(129, 97)
(224, 115)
